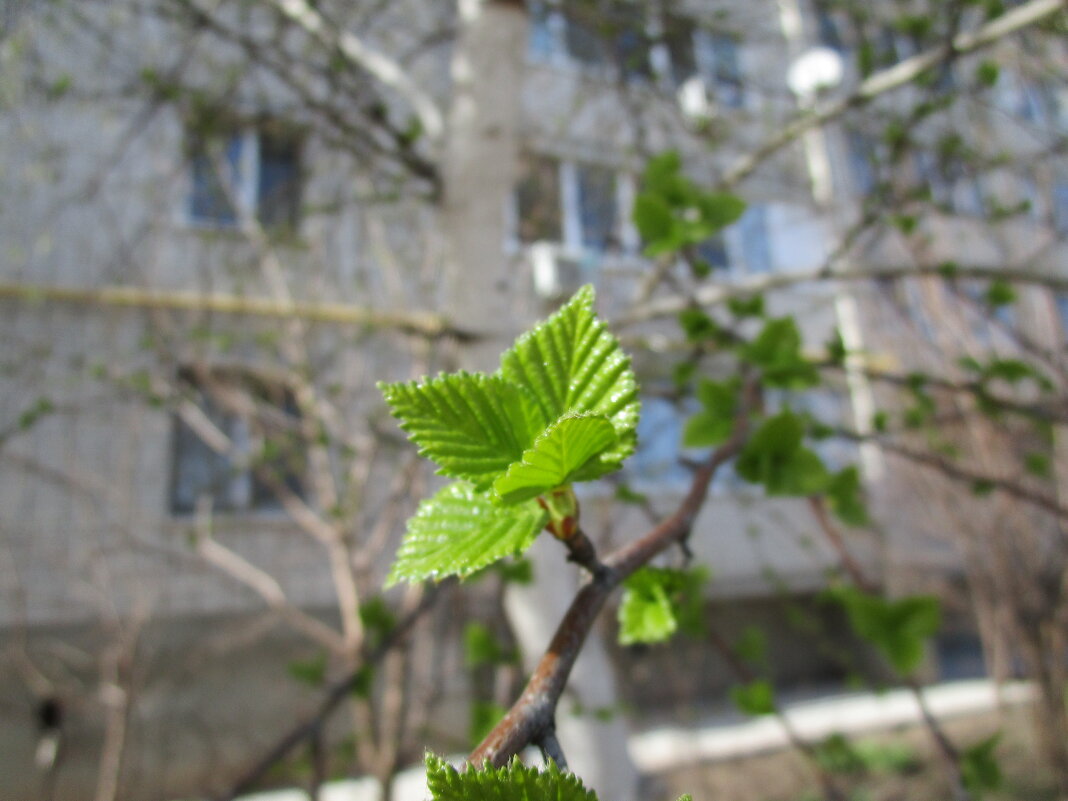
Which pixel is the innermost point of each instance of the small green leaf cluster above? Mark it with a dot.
(515, 782)
(979, 767)
(897, 627)
(563, 407)
(659, 601)
(672, 213)
(755, 698)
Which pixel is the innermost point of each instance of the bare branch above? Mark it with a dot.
(384, 69)
(425, 324)
(894, 77)
(532, 714)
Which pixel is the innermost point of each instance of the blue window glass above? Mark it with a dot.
(1060, 205)
(213, 193)
(755, 246)
(713, 251)
(726, 71)
(597, 206)
(861, 162)
(278, 193)
(542, 42)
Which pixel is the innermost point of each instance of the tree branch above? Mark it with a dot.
(338, 692)
(425, 324)
(901, 74)
(532, 714)
(713, 294)
(383, 69)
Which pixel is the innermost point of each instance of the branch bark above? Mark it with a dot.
(531, 717)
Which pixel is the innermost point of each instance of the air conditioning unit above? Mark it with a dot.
(556, 272)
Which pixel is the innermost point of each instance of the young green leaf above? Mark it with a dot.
(659, 601)
(645, 613)
(516, 782)
(777, 351)
(979, 767)
(571, 364)
(459, 531)
(775, 458)
(472, 425)
(559, 456)
(482, 648)
(755, 698)
(715, 421)
(899, 628)
(844, 497)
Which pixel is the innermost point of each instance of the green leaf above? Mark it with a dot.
(484, 716)
(774, 457)
(1000, 293)
(899, 628)
(378, 620)
(571, 364)
(362, 682)
(658, 601)
(482, 648)
(987, 73)
(569, 449)
(645, 613)
(473, 425)
(844, 497)
(755, 698)
(777, 351)
(309, 671)
(459, 531)
(979, 767)
(698, 326)
(653, 219)
(714, 423)
(516, 782)
(747, 307)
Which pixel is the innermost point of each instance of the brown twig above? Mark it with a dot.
(337, 693)
(531, 716)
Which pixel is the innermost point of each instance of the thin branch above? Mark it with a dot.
(384, 69)
(338, 692)
(551, 749)
(532, 714)
(713, 294)
(895, 77)
(425, 324)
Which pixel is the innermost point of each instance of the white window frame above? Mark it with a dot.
(571, 211)
(244, 187)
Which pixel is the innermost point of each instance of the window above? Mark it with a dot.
(538, 200)
(234, 440)
(576, 204)
(253, 170)
(951, 184)
(708, 55)
(597, 36)
(862, 160)
(756, 250)
(1059, 204)
(617, 37)
(1061, 300)
(597, 206)
(718, 58)
(656, 462)
(713, 252)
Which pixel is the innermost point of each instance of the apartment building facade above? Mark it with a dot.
(202, 268)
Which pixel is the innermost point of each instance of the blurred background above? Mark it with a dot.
(222, 222)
